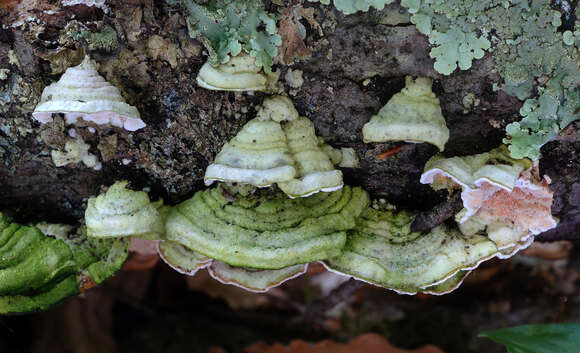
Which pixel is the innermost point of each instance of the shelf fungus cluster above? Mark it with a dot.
(81, 93)
(502, 197)
(279, 147)
(240, 73)
(44, 264)
(412, 115)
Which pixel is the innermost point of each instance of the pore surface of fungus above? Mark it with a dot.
(240, 73)
(382, 250)
(39, 270)
(121, 212)
(180, 258)
(253, 279)
(504, 196)
(412, 115)
(501, 196)
(264, 228)
(280, 147)
(82, 93)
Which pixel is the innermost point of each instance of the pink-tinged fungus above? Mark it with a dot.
(82, 93)
(503, 197)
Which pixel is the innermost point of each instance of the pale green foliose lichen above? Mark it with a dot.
(529, 52)
(265, 229)
(412, 115)
(349, 7)
(121, 212)
(40, 270)
(228, 27)
(382, 250)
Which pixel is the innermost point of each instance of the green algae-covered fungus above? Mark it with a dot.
(278, 146)
(39, 270)
(82, 93)
(251, 279)
(265, 229)
(180, 258)
(121, 212)
(314, 168)
(412, 115)
(382, 250)
(495, 167)
(240, 73)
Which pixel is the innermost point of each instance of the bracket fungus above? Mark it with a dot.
(180, 258)
(278, 146)
(254, 280)
(39, 270)
(502, 196)
(121, 212)
(412, 115)
(82, 93)
(265, 229)
(382, 250)
(240, 73)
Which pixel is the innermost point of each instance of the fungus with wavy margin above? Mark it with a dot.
(82, 93)
(412, 115)
(263, 228)
(278, 146)
(382, 250)
(240, 73)
(42, 265)
(502, 196)
(254, 280)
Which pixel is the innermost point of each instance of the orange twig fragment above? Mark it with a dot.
(389, 153)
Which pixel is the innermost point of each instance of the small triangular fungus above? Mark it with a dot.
(240, 73)
(382, 250)
(121, 212)
(263, 228)
(39, 270)
(412, 115)
(278, 146)
(82, 93)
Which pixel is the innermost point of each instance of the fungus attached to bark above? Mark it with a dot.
(265, 229)
(502, 197)
(254, 280)
(279, 147)
(121, 212)
(382, 250)
(180, 258)
(82, 93)
(39, 270)
(240, 73)
(412, 115)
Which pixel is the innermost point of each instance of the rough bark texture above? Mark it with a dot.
(354, 69)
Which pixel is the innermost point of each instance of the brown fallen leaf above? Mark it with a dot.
(293, 34)
(367, 343)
